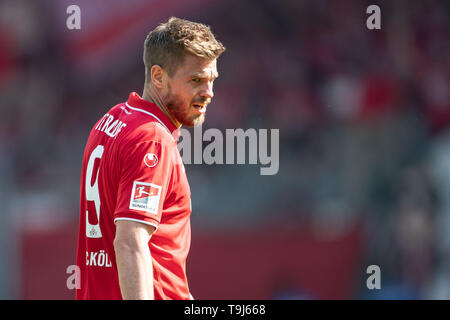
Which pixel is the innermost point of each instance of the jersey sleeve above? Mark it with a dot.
(144, 179)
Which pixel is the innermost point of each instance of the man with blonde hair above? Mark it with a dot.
(135, 201)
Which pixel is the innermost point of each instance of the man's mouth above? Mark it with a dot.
(200, 107)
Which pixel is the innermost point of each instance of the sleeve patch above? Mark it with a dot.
(151, 160)
(145, 197)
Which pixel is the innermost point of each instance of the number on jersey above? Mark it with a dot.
(93, 230)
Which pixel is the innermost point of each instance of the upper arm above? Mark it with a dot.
(132, 234)
(143, 185)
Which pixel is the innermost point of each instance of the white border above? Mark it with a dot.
(150, 114)
(133, 191)
(137, 220)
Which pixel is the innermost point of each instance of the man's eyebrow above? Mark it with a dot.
(203, 75)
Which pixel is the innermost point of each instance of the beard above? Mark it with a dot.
(182, 113)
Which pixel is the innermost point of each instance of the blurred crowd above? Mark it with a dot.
(364, 119)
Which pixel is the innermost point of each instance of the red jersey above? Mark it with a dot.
(132, 170)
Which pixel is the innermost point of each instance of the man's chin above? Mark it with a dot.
(197, 122)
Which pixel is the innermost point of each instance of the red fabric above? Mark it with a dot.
(130, 187)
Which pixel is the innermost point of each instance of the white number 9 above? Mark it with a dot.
(93, 231)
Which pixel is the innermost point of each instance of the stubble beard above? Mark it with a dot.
(175, 106)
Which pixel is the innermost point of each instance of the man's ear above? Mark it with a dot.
(158, 76)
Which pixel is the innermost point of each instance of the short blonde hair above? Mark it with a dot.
(168, 44)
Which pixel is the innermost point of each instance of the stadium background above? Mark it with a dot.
(364, 120)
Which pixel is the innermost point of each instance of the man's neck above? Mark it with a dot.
(153, 97)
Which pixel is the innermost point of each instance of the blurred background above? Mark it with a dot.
(364, 119)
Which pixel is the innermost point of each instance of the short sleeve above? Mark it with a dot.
(144, 178)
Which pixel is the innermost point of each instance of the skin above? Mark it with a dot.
(134, 262)
(192, 83)
(174, 95)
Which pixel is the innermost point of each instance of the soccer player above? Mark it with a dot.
(135, 201)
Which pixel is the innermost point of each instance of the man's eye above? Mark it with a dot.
(196, 80)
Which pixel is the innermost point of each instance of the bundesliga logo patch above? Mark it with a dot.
(145, 197)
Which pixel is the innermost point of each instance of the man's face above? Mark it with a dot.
(190, 90)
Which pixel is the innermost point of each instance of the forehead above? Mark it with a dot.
(193, 65)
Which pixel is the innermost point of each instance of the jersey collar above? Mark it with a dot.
(135, 101)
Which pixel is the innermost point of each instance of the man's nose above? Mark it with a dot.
(208, 92)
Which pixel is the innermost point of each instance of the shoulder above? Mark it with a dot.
(149, 144)
(148, 131)
(146, 137)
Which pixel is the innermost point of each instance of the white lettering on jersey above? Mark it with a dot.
(98, 259)
(109, 126)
